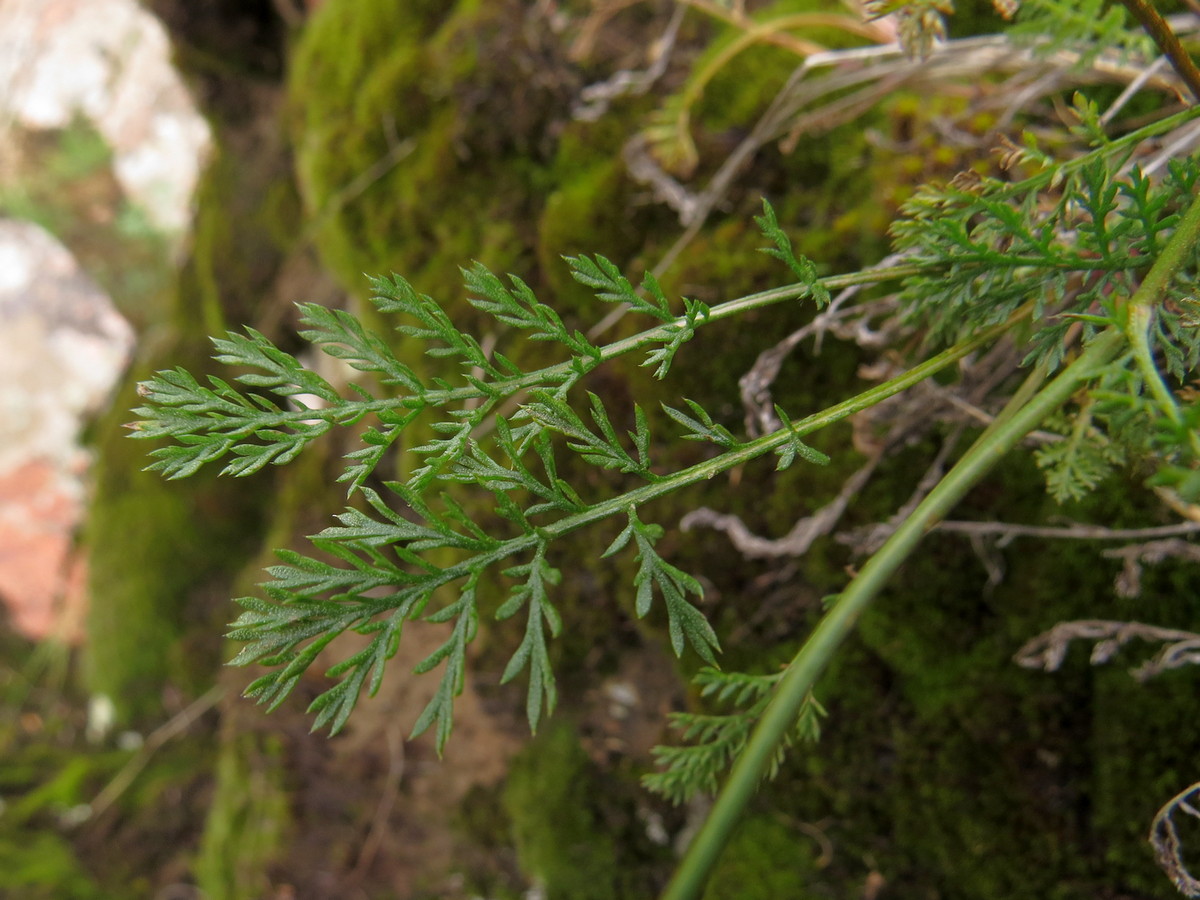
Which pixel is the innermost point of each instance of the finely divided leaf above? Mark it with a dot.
(532, 653)
(801, 266)
(788, 452)
(611, 286)
(685, 623)
(701, 426)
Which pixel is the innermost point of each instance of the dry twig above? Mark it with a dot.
(1129, 582)
(1164, 838)
(797, 541)
(595, 99)
(1048, 650)
(171, 729)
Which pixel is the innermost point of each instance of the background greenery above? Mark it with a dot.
(376, 136)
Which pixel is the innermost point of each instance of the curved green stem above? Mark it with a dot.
(1020, 416)
(808, 664)
(1140, 311)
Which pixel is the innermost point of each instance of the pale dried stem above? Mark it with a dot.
(391, 789)
(168, 731)
(1129, 582)
(845, 323)
(1048, 650)
(1007, 531)
(1168, 849)
(595, 99)
(801, 536)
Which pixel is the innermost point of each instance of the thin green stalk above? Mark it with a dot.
(1144, 303)
(732, 308)
(1019, 418)
(703, 471)
(1127, 142)
(837, 624)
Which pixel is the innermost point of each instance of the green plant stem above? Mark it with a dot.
(731, 459)
(1142, 307)
(558, 373)
(1020, 416)
(1053, 174)
(787, 292)
(769, 443)
(833, 629)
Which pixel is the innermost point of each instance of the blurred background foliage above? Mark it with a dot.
(369, 136)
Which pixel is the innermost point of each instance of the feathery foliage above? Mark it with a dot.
(715, 740)
(393, 561)
(1087, 260)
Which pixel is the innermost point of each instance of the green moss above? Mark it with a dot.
(248, 820)
(574, 833)
(163, 553)
(585, 215)
(42, 866)
(431, 81)
(750, 867)
(943, 762)
(45, 781)
(66, 788)
(158, 549)
(743, 87)
(560, 842)
(954, 772)
(237, 241)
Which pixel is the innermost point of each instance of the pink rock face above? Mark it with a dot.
(62, 347)
(62, 344)
(41, 575)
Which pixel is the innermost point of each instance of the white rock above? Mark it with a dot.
(62, 346)
(109, 61)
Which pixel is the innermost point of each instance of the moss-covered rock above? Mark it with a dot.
(750, 869)
(404, 159)
(576, 833)
(947, 770)
(248, 820)
(430, 134)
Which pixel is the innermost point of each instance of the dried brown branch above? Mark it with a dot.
(387, 801)
(589, 32)
(797, 541)
(738, 18)
(1048, 650)
(168, 731)
(1129, 582)
(1167, 41)
(852, 323)
(1164, 838)
(1007, 531)
(868, 540)
(595, 99)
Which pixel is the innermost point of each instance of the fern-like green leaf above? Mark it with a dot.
(701, 426)
(716, 739)
(541, 617)
(801, 266)
(603, 277)
(686, 624)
